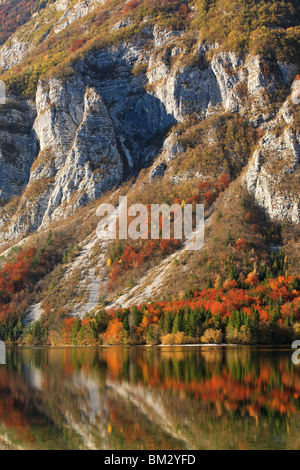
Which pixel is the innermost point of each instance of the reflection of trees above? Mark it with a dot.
(150, 398)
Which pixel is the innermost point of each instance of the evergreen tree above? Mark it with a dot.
(177, 325)
(150, 335)
(75, 329)
(101, 321)
(168, 324)
(36, 331)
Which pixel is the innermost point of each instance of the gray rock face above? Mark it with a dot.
(93, 165)
(228, 72)
(79, 158)
(273, 172)
(139, 118)
(113, 117)
(60, 109)
(184, 90)
(13, 52)
(157, 171)
(74, 12)
(172, 148)
(18, 147)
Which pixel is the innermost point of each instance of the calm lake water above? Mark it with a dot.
(150, 398)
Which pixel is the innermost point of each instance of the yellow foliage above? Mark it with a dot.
(212, 337)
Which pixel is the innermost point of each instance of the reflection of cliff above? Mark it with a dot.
(218, 399)
(142, 398)
(74, 409)
(27, 417)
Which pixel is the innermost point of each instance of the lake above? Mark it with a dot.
(169, 398)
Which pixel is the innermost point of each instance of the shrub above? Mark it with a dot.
(132, 5)
(168, 339)
(177, 338)
(77, 44)
(242, 336)
(212, 336)
(139, 69)
(296, 331)
(184, 9)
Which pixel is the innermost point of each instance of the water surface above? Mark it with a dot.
(150, 398)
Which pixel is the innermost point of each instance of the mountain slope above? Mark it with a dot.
(162, 101)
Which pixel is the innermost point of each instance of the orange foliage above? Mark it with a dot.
(17, 276)
(77, 44)
(184, 9)
(252, 279)
(132, 5)
(241, 244)
(113, 334)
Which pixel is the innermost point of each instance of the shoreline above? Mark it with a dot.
(100, 346)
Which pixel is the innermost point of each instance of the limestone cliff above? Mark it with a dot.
(106, 123)
(88, 132)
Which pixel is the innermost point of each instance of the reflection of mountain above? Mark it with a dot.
(142, 398)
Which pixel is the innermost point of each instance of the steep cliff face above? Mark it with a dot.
(78, 158)
(93, 164)
(88, 132)
(13, 52)
(113, 116)
(273, 172)
(73, 12)
(140, 119)
(18, 147)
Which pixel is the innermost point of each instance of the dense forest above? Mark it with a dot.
(258, 312)
(262, 310)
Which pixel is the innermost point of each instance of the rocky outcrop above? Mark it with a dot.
(18, 147)
(140, 119)
(93, 164)
(272, 175)
(184, 89)
(112, 118)
(60, 109)
(79, 157)
(74, 12)
(13, 52)
(171, 150)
